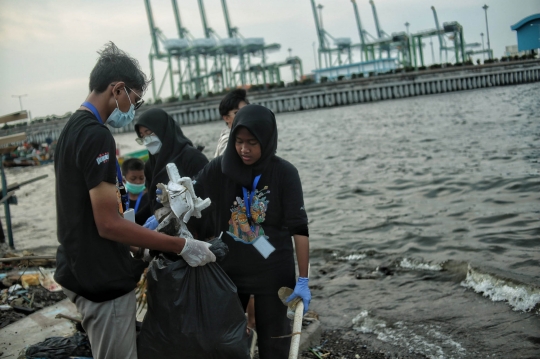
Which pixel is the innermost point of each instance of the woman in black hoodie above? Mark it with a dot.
(257, 202)
(166, 144)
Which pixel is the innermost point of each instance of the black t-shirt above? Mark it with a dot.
(279, 207)
(94, 267)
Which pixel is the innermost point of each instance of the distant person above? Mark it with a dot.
(134, 181)
(93, 263)
(228, 107)
(137, 199)
(166, 143)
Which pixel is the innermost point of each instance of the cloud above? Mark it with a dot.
(48, 47)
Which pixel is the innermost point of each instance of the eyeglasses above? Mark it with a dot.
(138, 103)
(140, 140)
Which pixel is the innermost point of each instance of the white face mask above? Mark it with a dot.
(153, 144)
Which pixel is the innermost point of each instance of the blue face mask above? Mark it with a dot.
(118, 118)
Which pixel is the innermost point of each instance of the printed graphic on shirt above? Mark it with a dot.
(239, 225)
(102, 158)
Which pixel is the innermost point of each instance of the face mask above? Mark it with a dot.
(135, 188)
(118, 118)
(153, 144)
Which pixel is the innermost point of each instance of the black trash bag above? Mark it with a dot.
(61, 347)
(193, 312)
(219, 248)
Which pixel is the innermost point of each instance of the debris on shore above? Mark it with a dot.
(26, 286)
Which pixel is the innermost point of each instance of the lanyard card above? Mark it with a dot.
(264, 247)
(261, 244)
(130, 215)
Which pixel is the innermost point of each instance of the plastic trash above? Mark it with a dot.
(47, 280)
(61, 347)
(192, 313)
(29, 279)
(14, 288)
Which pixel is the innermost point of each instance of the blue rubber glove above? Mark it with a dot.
(151, 223)
(301, 290)
(158, 193)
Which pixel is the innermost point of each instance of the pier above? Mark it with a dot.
(339, 93)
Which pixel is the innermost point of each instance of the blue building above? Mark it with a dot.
(528, 33)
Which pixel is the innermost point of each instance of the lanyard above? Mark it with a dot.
(136, 203)
(119, 182)
(248, 197)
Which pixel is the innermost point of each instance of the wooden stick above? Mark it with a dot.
(297, 328)
(60, 316)
(253, 343)
(14, 259)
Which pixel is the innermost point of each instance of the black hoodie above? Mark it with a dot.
(278, 206)
(176, 148)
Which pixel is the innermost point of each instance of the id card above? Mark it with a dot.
(130, 215)
(264, 247)
(261, 244)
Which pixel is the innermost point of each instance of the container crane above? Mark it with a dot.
(155, 53)
(380, 32)
(363, 50)
(343, 44)
(442, 43)
(246, 48)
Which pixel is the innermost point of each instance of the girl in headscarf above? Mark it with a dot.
(257, 198)
(166, 144)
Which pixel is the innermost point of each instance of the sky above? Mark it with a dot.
(49, 47)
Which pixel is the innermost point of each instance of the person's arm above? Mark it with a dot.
(111, 225)
(301, 243)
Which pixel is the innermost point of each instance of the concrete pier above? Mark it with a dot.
(341, 93)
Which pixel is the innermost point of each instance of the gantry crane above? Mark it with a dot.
(343, 44)
(363, 49)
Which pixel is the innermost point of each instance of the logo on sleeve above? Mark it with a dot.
(102, 158)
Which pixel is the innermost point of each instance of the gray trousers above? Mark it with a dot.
(110, 325)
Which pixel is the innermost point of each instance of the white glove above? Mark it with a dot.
(196, 253)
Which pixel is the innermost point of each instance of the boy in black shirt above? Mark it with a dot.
(93, 259)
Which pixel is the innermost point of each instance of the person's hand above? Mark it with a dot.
(158, 193)
(196, 253)
(301, 290)
(151, 223)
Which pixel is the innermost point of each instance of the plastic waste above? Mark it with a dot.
(47, 281)
(61, 347)
(193, 312)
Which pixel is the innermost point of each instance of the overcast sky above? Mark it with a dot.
(48, 47)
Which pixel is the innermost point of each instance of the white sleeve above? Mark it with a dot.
(222, 142)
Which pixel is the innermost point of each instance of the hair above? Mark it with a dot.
(232, 100)
(132, 164)
(115, 65)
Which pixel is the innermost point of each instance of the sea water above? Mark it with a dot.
(423, 218)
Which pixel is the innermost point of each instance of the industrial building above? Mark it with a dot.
(528, 33)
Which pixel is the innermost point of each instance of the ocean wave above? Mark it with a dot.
(350, 257)
(424, 339)
(419, 265)
(521, 297)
